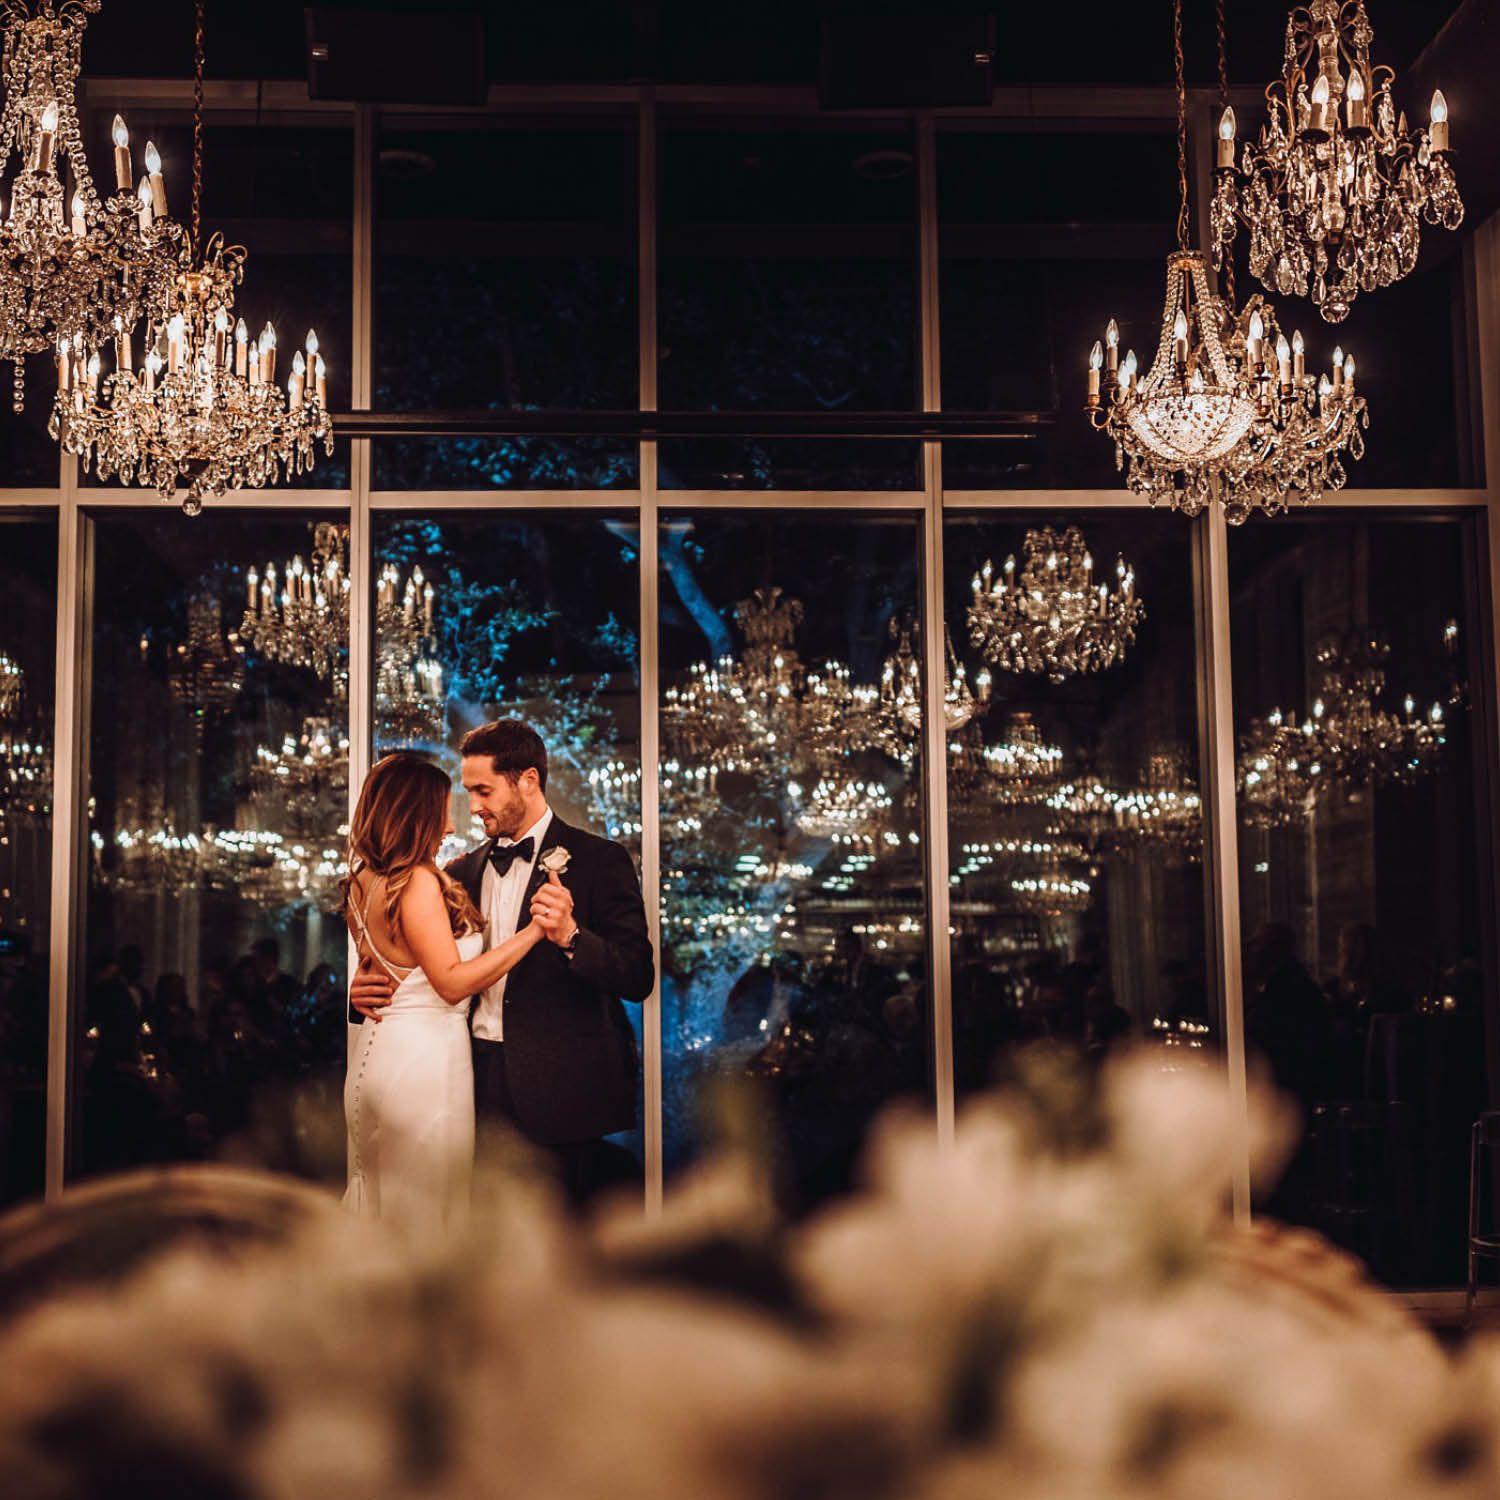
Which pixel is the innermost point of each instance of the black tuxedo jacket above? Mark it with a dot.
(570, 1055)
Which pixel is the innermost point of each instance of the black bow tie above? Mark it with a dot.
(503, 856)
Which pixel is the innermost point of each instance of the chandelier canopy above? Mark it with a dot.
(1335, 187)
(83, 268)
(1055, 618)
(204, 407)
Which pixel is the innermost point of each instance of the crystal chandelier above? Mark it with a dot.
(1228, 410)
(305, 621)
(1162, 819)
(204, 407)
(1086, 810)
(1055, 618)
(1023, 768)
(766, 710)
(844, 810)
(1350, 736)
(898, 724)
(11, 680)
(1051, 892)
(25, 777)
(207, 671)
(304, 786)
(1276, 776)
(78, 271)
(1335, 188)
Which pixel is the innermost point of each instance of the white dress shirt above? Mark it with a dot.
(500, 900)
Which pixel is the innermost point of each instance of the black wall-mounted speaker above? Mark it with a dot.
(395, 56)
(905, 62)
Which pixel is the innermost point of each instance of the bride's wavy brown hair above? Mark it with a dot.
(397, 827)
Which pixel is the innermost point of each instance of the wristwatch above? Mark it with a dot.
(570, 947)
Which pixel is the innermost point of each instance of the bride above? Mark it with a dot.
(409, 1092)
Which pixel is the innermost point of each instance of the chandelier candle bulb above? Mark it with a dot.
(94, 367)
(1225, 147)
(153, 369)
(62, 366)
(124, 173)
(1128, 369)
(1112, 346)
(1348, 372)
(322, 382)
(221, 338)
(78, 223)
(1299, 358)
(1180, 340)
(123, 360)
(1357, 104)
(252, 593)
(157, 183)
(1255, 340)
(296, 380)
(267, 355)
(1338, 367)
(46, 138)
(1096, 362)
(176, 339)
(1283, 362)
(241, 348)
(1437, 131)
(1318, 116)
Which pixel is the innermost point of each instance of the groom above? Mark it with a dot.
(554, 1056)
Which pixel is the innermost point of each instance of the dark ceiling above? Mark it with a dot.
(742, 41)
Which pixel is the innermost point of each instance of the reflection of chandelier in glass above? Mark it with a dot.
(11, 681)
(1085, 809)
(304, 622)
(1163, 818)
(845, 810)
(899, 716)
(766, 708)
(25, 777)
(150, 859)
(1275, 774)
(207, 671)
(1054, 618)
(304, 786)
(89, 267)
(270, 869)
(1336, 186)
(1022, 768)
(204, 407)
(1051, 892)
(1354, 739)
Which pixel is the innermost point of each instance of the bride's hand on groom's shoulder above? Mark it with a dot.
(371, 990)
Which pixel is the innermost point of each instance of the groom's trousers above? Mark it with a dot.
(583, 1169)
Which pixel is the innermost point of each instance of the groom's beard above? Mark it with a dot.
(505, 822)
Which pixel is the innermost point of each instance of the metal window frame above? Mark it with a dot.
(1059, 108)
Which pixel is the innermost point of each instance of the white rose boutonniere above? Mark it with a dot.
(555, 860)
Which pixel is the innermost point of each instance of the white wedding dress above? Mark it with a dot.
(409, 1101)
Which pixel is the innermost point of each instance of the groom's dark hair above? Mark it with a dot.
(512, 746)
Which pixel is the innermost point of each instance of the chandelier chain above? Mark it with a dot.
(1182, 171)
(197, 124)
(1222, 39)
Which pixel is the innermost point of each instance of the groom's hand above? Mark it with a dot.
(552, 909)
(371, 990)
